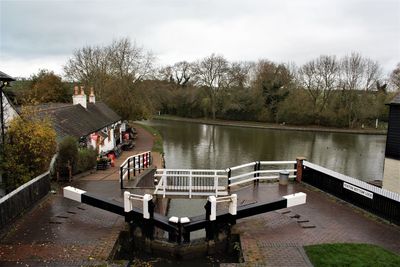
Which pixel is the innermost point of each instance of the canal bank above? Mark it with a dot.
(273, 126)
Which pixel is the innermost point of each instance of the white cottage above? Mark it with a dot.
(93, 123)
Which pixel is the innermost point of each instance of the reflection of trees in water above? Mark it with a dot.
(191, 145)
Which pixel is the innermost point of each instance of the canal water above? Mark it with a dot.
(192, 145)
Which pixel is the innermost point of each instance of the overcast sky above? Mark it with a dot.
(43, 34)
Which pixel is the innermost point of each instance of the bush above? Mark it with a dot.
(86, 159)
(67, 154)
(30, 145)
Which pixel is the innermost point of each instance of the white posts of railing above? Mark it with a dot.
(233, 205)
(216, 183)
(127, 202)
(164, 182)
(213, 208)
(146, 200)
(190, 184)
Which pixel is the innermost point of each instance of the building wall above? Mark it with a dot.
(393, 134)
(391, 175)
(109, 142)
(9, 111)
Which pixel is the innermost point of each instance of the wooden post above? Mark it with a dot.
(299, 168)
(129, 170)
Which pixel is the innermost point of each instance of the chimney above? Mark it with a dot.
(79, 98)
(92, 97)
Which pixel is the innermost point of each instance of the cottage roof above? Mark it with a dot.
(75, 120)
(395, 100)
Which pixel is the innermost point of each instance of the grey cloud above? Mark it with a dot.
(176, 30)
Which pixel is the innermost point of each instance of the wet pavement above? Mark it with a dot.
(62, 232)
(277, 238)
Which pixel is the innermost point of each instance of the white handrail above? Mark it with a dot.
(193, 182)
(277, 162)
(243, 166)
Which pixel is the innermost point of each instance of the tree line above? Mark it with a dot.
(349, 91)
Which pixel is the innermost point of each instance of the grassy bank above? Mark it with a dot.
(158, 141)
(272, 126)
(351, 255)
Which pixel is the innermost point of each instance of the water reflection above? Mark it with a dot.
(191, 145)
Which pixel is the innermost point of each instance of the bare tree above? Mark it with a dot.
(129, 61)
(239, 74)
(212, 73)
(395, 77)
(319, 77)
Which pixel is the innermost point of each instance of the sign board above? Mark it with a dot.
(358, 190)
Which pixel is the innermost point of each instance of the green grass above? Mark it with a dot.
(158, 141)
(351, 255)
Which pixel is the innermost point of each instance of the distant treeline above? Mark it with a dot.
(342, 92)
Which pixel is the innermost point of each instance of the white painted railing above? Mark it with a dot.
(354, 181)
(188, 182)
(259, 171)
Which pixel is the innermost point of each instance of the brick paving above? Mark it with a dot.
(62, 232)
(277, 238)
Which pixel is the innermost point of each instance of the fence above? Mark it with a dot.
(259, 171)
(133, 165)
(191, 182)
(24, 197)
(381, 202)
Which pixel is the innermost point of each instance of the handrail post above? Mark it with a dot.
(148, 215)
(299, 168)
(210, 217)
(164, 178)
(229, 171)
(121, 176)
(129, 170)
(216, 184)
(190, 184)
(134, 166)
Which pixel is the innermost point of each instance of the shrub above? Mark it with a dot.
(86, 159)
(67, 154)
(30, 145)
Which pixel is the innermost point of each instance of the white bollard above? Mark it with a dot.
(127, 202)
(233, 205)
(146, 199)
(213, 201)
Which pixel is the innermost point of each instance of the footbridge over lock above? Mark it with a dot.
(221, 210)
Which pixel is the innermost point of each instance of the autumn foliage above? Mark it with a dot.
(30, 146)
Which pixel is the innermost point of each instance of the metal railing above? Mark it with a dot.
(187, 182)
(191, 182)
(261, 170)
(134, 165)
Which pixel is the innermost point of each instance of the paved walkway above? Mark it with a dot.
(62, 232)
(277, 238)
